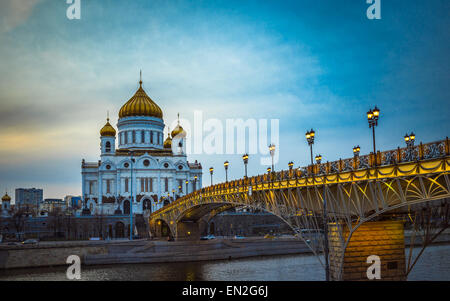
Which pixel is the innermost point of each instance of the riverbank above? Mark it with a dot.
(156, 251)
(144, 251)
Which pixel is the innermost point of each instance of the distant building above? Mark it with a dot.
(28, 198)
(50, 205)
(73, 202)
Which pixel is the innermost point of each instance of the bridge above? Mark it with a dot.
(372, 193)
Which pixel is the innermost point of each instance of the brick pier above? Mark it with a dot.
(382, 238)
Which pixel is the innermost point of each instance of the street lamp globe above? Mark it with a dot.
(369, 115)
(291, 165)
(376, 113)
(318, 159)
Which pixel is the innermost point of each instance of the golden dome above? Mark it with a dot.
(107, 130)
(6, 198)
(178, 130)
(168, 142)
(140, 105)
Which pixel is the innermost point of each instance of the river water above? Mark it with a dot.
(434, 264)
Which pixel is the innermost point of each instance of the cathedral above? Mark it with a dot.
(140, 171)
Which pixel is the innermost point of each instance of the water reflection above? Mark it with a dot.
(434, 265)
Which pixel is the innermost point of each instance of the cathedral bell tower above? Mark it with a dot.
(107, 139)
(178, 139)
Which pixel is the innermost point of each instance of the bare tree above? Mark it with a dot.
(19, 221)
(55, 221)
(428, 222)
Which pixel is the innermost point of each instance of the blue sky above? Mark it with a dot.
(310, 64)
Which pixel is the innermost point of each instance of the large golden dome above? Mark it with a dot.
(140, 105)
(107, 130)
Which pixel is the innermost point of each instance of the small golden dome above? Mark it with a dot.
(140, 105)
(108, 130)
(168, 142)
(6, 198)
(178, 130)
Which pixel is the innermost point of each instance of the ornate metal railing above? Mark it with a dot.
(317, 174)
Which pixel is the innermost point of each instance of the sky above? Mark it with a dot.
(309, 64)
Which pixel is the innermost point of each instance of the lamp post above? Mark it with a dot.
(270, 175)
(410, 153)
(187, 186)
(372, 118)
(310, 138)
(356, 150)
(179, 189)
(195, 183)
(245, 159)
(225, 164)
(318, 159)
(409, 139)
(173, 194)
(131, 193)
(272, 153)
(211, 171)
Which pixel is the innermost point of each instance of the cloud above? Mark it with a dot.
(58, 77)
(14, 13)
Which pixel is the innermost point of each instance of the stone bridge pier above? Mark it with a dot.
(384, 239)
(188, 230)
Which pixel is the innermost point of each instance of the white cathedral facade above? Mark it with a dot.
(137, 167)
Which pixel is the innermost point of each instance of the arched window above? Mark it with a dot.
(126, 207)
(134, 136)
(151, 137)
(108, 146)
(142, 137)
(126, 137)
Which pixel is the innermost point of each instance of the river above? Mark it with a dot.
(433, 265)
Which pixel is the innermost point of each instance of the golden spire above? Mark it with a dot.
(140, 78)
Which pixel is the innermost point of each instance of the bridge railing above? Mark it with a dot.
(432, 150)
